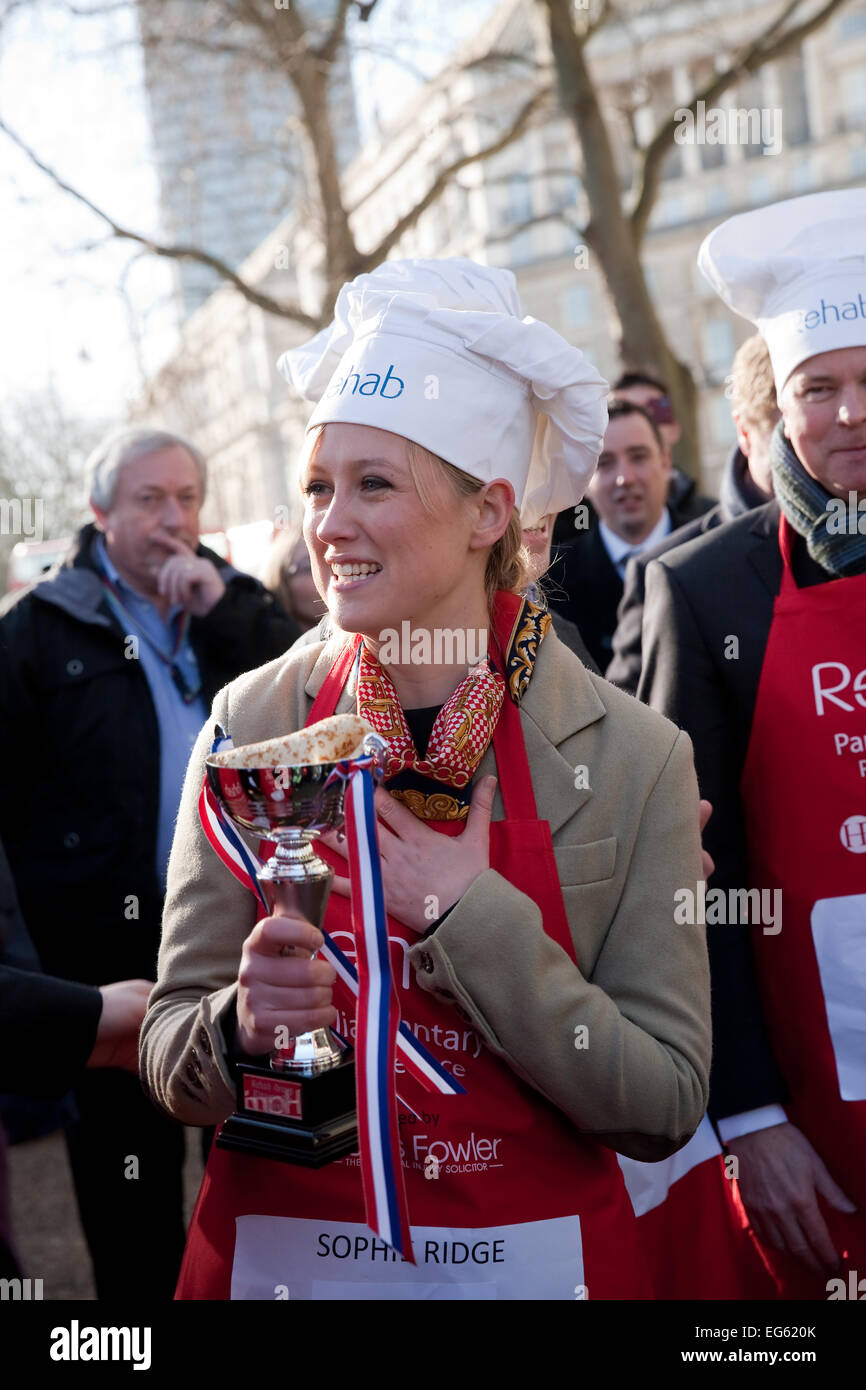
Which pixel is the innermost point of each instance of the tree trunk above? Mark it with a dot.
(641, 339)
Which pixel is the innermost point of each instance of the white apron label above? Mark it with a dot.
(286, 1257)
(839, 934)
(648, 1184)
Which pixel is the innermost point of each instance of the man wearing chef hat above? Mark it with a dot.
(767, 672)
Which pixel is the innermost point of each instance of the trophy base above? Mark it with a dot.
(295, 1118)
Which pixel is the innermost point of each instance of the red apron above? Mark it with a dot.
(804, 796)
(693, 1228)
(523, 1207)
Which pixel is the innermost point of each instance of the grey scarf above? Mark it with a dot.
(832, 543)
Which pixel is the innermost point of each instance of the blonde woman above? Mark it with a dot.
(548, 817)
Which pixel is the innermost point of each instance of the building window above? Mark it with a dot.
(671, 211)
(520, 248)
(852, 88)
(794, 102)
(858, 162)
(672, 165)
(717, 340)
(712, 156)
(852, 26)
(750, 97)
(718, 200)
(577, 303)
(803, 177)
(760, 189)
(721, 422)
(519, 199)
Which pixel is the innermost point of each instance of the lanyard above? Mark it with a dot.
(188, 690)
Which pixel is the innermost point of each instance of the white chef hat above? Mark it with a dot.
(798, 270)
(438, 351)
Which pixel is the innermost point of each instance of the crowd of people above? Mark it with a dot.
(666, 1051)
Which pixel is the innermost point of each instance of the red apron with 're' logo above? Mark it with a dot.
(523, 1207)
(804, 796)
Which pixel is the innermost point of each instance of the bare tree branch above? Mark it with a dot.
(555, 215)
(157, 248)
(550, 171)
(761, 50)
(605, 14)
(455, 115)
(328, 49)
(497, 56)
(446, 174)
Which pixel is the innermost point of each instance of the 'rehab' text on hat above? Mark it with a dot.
(797, 270)
(373, 384)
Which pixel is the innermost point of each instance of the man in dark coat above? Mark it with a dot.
(108, 665)
(98, 1028)
(710, 612)
(629, 493)
(746, 484)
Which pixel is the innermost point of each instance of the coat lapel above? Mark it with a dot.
(764, 555)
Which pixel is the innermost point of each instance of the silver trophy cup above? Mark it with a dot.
(300, 1105)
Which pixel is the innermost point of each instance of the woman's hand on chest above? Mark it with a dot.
(419, 863)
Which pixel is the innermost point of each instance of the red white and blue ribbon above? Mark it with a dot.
(378, 1018)
(380, 1032)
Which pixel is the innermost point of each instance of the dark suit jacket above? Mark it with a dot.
(624, 669)
(47, 1032)
(47, 1026)
(700, 595)
(739, 494)
(583, 585)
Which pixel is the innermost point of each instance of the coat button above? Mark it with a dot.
(427, 962)
(71, 840)
(74, 667)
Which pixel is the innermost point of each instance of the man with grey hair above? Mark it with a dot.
(108, 666)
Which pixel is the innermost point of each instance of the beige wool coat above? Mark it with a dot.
(624, 844)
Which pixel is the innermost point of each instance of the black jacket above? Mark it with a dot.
(47, 1026)
(583, 584)
(698, 596)
(740, 494)
(79, 748)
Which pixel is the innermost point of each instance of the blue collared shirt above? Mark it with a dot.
(179, 722)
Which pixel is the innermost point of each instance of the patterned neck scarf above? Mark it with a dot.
(464, 725)
(807, 506)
